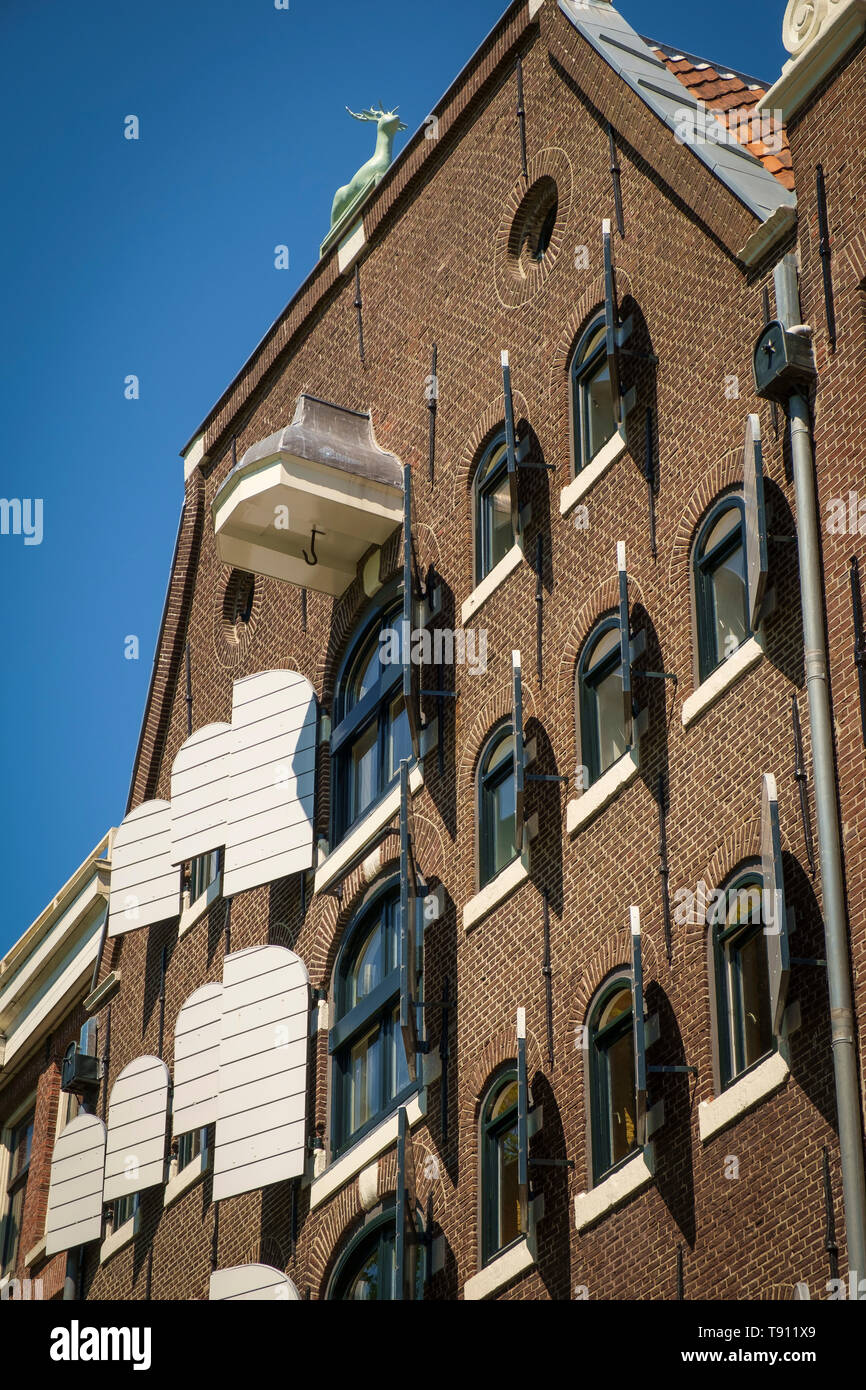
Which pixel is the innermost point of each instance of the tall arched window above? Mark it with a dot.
(600, 700)
(500, 1197)
(494, 533)
(592, 397)
(721, 609)
(371, 729)
(496, 805)
(370, 1072)
(613, 1106)
(743, 1017)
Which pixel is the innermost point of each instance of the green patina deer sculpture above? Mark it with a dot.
(369, 174)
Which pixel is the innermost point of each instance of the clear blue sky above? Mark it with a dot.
(155, 257)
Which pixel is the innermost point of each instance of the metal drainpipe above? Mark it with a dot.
(823, 771)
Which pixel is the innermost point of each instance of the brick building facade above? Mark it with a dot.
(459, 247)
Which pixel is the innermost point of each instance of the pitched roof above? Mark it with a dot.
(733, 97)
(676, 103)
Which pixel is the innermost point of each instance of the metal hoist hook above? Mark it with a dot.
(314, 560)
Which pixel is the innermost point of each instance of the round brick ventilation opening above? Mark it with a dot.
(238, 606)
(531, 234)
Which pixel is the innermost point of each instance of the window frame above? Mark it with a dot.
(598, 1079)
(487, 783)
(374, 706)
(581, 370)
(728, 1021)
(587, 703)
(381, 1231)
(198, 872)
(491, 1132)
(353, 1023)
(703, 568)
(15, 1184)
(485, 482)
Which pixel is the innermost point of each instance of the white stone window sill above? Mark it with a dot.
(724, 676)
(584, 809)
(334, 863)
(491, 582)
(496, 891)
(362, 1154)
(186, 1178)
(500, 1271)
(612, 1191)
(122, 1236)
(743, 1095)
(193, 912)
(588, 476)
(35, 1254)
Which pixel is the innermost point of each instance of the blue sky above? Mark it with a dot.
(155, 257)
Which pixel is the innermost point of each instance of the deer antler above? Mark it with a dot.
(368, 115)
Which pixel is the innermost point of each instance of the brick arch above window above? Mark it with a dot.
(491, 420)
(497, 1054)
(347, 613)
(603, 600)
(589, 305)
(720, 477)
(614, 956)
(499, 706)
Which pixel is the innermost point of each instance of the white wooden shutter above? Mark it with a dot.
(200, 793)
(244, 1282)
(196, 1060)
(137, 1111)
(260, 1128)
(773, 914)
(145, 884)
(272, 784)
(75, 1187)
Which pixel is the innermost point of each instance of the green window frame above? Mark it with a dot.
(613, 1096)
(500, 1201)
(593, 420)
(370, 1071)
(721, 583)
(742, 987)
(371, 727)
(497, 847)
(494, 533)
(600, 701)
(366, 1271)
(20, 1148)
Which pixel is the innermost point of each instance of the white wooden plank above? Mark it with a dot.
(74, 1214)
(145, 884)
(251, 1282)
(196, 1059)
(137, 1110)
(272, 781)
(199, 792)
(260, 1127)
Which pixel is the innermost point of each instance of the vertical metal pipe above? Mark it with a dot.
(521, 118)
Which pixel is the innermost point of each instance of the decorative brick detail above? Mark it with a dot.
(726, 473)
(614, 955)
(501, 1049)
(512, 288)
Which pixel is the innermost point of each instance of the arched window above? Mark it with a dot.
(367, 1271)
(371, 733)
(600, 700)
(592, 396)
(370, 1072)
(720, 585)
(500, 1197)
(613, 1106)
(743, 1017)
(496, 805)
(494, 533)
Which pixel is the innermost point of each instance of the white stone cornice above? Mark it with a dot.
(818, 33)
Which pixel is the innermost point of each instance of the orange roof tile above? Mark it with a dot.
(732, 96)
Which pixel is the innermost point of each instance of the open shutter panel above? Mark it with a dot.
(522, 1122)
(624, 643)
(200, 793)
(639, 1030)
(408, 911)
(511, 446)
(74, 1213)
(616, 333)
(137, 1111)
(411, 683)
(773, 915)
(272, 784)
(757, 563)
(260, 1128)
(196, 1060)
(518, 753)
(251, 1283)
(145, 883)
(404, 1208)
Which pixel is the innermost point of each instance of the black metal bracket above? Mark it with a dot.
(808, 960)
(650, 357)
(544, 777)
(659, 675)
(692, 1071)
(441, 694)
(551, 1163)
